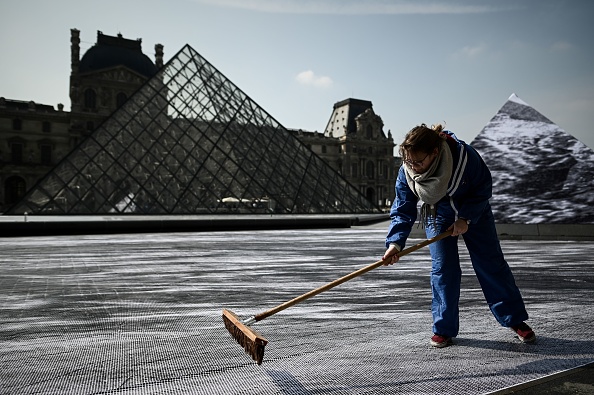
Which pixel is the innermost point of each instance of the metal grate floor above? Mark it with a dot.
(141, 314)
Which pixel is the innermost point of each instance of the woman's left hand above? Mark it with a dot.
(459, 227)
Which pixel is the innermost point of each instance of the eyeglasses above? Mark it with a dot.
(416, 162)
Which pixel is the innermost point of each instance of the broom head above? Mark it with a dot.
(249, 339)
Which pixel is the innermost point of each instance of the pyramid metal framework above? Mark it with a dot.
(191, 142)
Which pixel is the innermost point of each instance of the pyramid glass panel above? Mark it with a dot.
(190, 142)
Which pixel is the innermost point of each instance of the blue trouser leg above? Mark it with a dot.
(493, 272)
(446, 277)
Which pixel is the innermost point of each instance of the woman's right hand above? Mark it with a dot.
(391, 255)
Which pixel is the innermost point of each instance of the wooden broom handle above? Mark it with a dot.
(348, 277)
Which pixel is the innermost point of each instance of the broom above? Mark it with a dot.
(254, 343)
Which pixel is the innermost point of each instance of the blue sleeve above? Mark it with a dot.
(403, 213)
(472, 202)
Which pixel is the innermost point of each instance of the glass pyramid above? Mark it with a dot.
(190, 142)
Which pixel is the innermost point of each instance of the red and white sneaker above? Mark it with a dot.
(524, 333)
(440, 341)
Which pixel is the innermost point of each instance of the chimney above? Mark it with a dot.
(159, 55)
(74, 50)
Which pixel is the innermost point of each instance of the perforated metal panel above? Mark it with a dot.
(141, 314)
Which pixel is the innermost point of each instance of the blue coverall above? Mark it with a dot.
(468, 196)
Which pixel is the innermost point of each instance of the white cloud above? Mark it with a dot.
(471, 51)
(308, 77)
(358, 7)
(561, 46)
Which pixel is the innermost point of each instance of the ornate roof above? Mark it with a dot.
(117, 51)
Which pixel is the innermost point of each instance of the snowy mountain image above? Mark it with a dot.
(541, 174)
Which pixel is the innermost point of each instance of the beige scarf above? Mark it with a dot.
(432, 185)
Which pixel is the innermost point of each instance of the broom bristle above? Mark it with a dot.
(252, 342)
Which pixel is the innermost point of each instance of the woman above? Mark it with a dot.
(454, 184)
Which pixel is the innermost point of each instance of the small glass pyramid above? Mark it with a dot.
(190, 142)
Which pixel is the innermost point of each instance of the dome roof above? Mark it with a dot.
(116, 51)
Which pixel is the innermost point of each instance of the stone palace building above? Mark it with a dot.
(35, 137)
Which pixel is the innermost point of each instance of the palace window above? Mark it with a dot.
(17, 124)
(370, 170)
(46, 127)
(15, 189)
(121, 99)
(46, 154)
(90, 99)
(16, 151)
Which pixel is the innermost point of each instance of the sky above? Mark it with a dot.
(418, 61)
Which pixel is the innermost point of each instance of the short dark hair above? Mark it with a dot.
(422, 138)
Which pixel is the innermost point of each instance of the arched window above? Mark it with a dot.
(90, 99)
(121, 99)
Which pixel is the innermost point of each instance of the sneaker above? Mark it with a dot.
(440, 341)
(524, 333)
